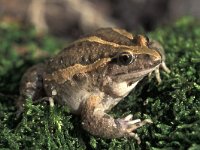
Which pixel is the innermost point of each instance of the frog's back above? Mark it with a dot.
(114, 35)
(91, 47)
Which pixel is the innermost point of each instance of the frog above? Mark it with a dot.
(92, 75)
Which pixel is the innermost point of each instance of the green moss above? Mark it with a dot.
(174, 106)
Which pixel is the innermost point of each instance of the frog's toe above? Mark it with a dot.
(134, 124)
(164, 67)
(128, 125)
(135, 135)
(157, 71)
(129, 117)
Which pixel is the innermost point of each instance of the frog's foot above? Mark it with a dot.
(127, 125)
(157, 71)
(45, 99)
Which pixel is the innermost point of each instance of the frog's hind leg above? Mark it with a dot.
(31, 86)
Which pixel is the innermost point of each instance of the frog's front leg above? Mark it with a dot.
(97, 122)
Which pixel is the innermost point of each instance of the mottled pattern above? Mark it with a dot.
(92, 75)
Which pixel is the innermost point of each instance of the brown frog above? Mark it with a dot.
(93, 74)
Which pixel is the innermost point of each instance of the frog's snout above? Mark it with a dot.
(156, 56)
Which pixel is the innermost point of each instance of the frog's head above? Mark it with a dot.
(128, 65)
(133, 64)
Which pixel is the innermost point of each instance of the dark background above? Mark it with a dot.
(70, 18)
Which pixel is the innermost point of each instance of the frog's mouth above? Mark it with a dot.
(134, 76)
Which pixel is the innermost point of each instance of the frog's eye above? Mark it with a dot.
(125, 58)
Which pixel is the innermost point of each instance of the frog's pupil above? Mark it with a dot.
(125, 58)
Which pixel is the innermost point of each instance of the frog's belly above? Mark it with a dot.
(73, 99)
(65, 94)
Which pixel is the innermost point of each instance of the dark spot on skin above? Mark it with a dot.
(130, 83)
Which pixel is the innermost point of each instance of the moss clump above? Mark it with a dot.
(174, 106)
